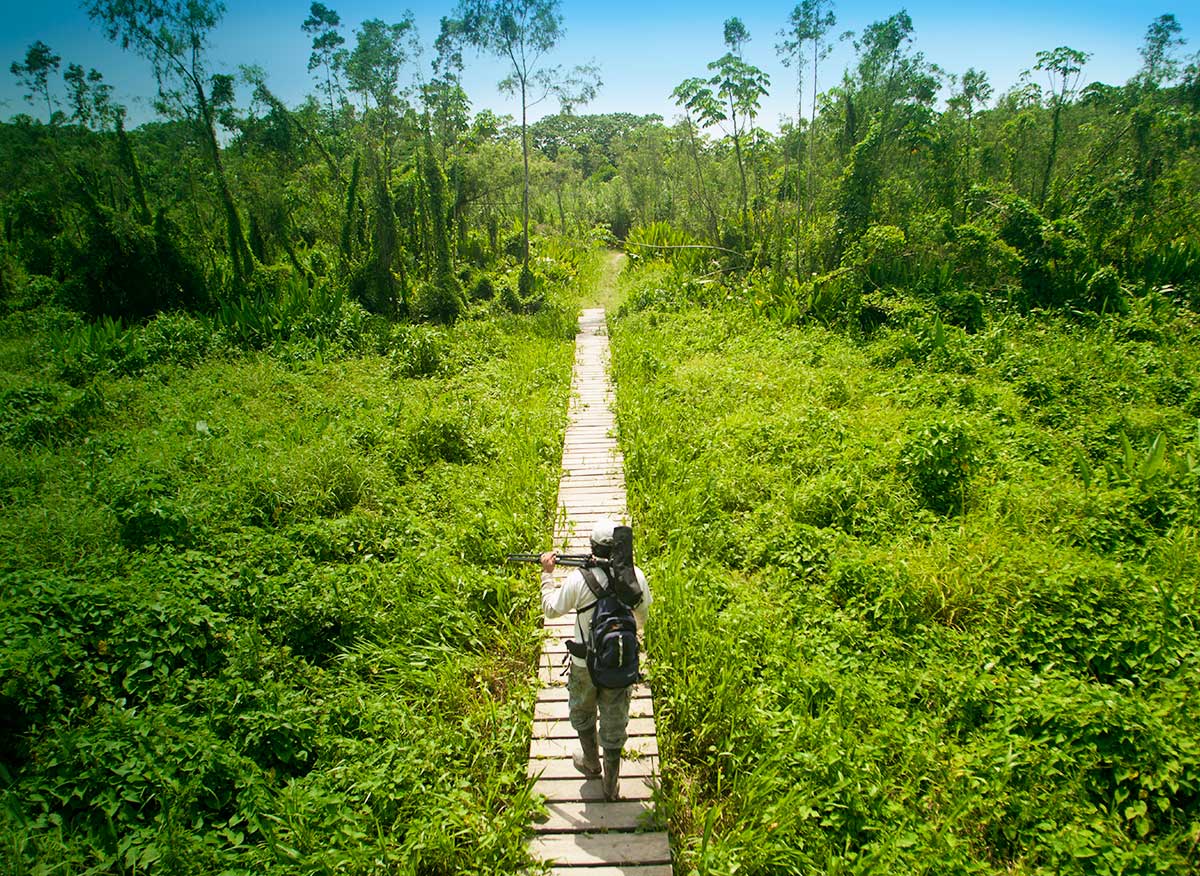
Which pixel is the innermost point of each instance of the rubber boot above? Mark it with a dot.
(612, 774)
(588, 763)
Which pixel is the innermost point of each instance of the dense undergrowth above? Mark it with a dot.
(926, 600)
(252, 617)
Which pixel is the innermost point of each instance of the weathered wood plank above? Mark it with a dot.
(603, 848)
(543, 748)
(560, 728)
(576, 817)
(557, 710)
(559, 694)
(551, 677)
(617, 870)
(564, 768)
(580, 789)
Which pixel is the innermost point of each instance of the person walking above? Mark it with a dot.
(585, 701)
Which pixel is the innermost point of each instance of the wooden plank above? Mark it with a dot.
(550, 748)
(551, 677)
(573, 499)
(553, 661)
(564, 768)
(616, 870)
(558, 694)
(560, 728)
(557, 710)
(577, 817)
(580, 789)
(588, 849)
(595, 428)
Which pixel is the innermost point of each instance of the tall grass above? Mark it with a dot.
(254, 616)
(895, 628)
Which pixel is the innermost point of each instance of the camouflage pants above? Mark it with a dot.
(584, 700)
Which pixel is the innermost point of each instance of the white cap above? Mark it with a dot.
(602, 533)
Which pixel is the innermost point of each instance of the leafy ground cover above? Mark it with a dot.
(252, 617)
(925, 601)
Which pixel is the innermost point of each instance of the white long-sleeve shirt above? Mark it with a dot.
(574, 594)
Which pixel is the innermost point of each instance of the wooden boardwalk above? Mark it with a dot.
(583, 835)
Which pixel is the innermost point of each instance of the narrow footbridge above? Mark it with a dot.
(583, 835)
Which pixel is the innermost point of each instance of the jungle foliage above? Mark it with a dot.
(912, 442)
(907, 394)
(252, 617)
(925, 601)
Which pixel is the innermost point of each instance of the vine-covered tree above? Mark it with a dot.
(173, 35)
(373, 70)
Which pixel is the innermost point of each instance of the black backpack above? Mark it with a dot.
(612, 653)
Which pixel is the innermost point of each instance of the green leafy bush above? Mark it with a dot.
(939, 460)
(239, 634)
(416, 351)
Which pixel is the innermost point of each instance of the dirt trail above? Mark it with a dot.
(605, 292)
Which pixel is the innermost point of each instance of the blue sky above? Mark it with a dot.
(643, 48)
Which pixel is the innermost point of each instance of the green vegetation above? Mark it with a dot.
(907, 392)
(925, 600)
(252, 616)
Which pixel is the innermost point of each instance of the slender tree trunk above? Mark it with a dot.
(737, 148)
(812, 128)
(799, 168)
(125, 149)
(525, 191)
(1054, 130)
(712, 214)
(239, 250)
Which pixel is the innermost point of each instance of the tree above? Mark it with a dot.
(973, 94)
(740, 85)
(736, 35)
(701, 109)
(373, 72)
(1162, 37)
(90, 97)
(1062, 67)
(808, 22)
(173, 36)
(891, 84)
(34, 74)
(322, 24)
(522, 32)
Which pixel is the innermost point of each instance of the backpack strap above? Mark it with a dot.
(589, 578)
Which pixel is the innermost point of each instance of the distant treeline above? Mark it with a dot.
(1058, 192)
